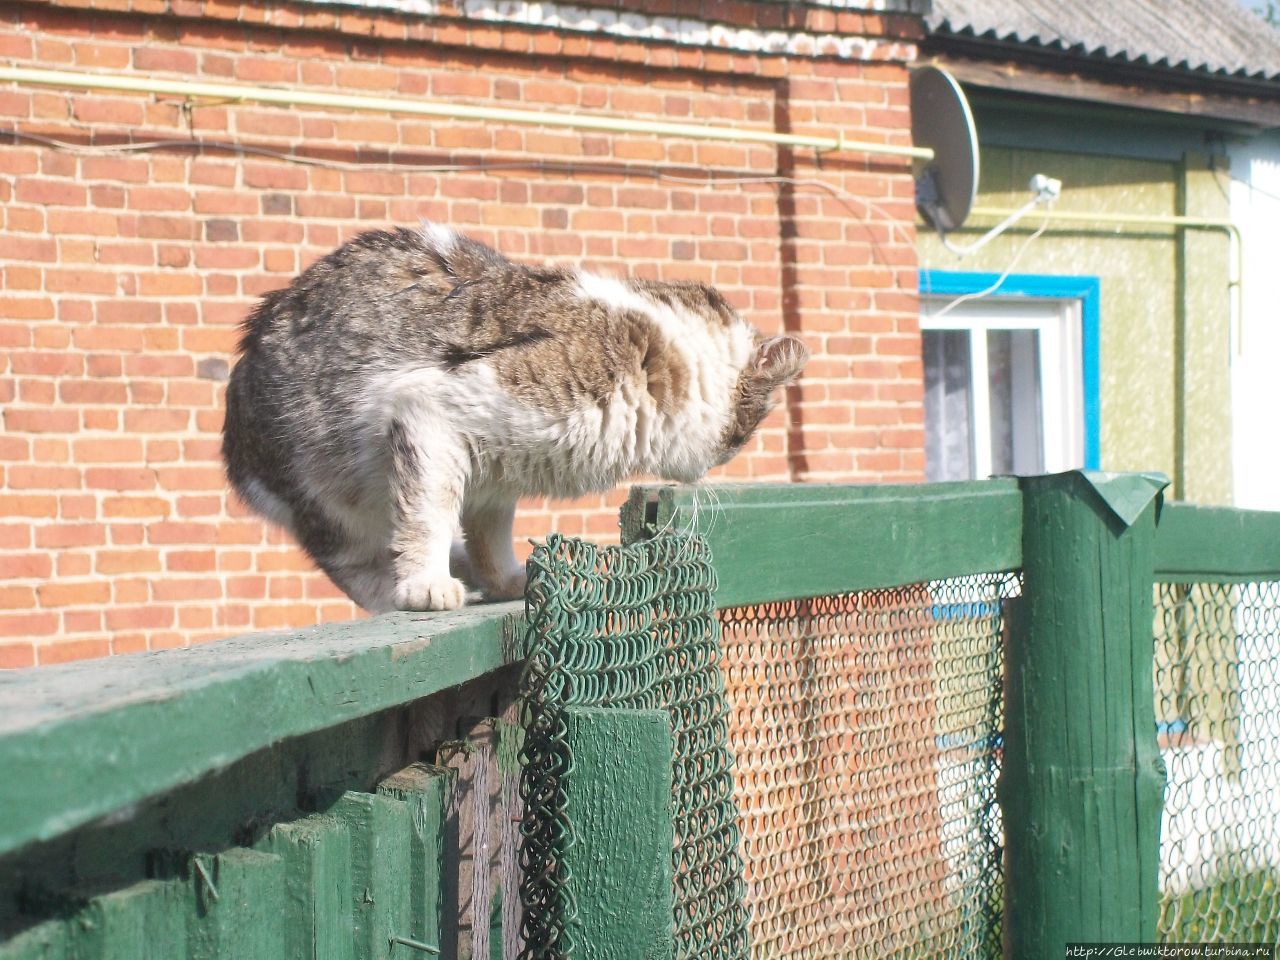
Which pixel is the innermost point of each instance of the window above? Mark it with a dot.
(1011, 378)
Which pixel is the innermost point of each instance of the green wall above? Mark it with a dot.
(1165, 376)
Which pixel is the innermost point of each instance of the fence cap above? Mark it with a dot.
(1125, 495)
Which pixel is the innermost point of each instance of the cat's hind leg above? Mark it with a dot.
(371, 584)
(486, 523)
(361, 570)
(429, 468)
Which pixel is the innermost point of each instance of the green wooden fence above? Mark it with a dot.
(351, 790)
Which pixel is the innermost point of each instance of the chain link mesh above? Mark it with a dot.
(630, 627)
(1217, 688)
(867, 730)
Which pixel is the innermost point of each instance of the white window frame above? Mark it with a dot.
(1058, 321)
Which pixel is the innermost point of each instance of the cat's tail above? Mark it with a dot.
(461, 258)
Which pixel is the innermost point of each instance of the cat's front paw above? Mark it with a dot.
(426, 592)
(509, 586)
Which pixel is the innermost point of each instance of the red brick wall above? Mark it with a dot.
(123, 275)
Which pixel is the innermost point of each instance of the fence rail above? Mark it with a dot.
(889, 653)
(138, 725)
(1217, 695)
(1217, 543)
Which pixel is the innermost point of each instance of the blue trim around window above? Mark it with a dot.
(1088, 290)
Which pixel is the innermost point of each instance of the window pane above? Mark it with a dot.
(948, 404)
(1013, 367)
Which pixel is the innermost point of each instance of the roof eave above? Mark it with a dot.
(1121, 70)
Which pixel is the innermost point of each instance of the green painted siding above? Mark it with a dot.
(1165, 389)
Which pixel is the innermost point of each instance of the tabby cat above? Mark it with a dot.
(412, 385)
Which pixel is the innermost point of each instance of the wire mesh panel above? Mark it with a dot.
(630, 627)
(1217, 688)
(867, 729)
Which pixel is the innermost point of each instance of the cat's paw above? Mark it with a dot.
(426, 592)
(510, 586)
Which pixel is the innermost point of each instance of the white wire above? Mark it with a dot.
(979, 294)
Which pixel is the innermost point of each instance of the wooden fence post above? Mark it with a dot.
(1082, 780)
(618, 798)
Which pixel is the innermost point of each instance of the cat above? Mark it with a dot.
(414, 384)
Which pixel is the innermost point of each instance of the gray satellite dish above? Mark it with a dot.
(942, 121)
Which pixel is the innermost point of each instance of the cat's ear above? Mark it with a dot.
(779, 360)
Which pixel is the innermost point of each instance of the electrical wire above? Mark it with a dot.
(482, 166)
(979, 294)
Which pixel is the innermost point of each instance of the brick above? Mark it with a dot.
(140, 618)
(119, 478)
(123, 169)
(74, 594)
(40, 420)
(42, 477)
(16, 566)
(191, 561)
(60, 535)
(194, 617)
(41, 364)
(216, 230)
(28, 624)
(17, 655)
(113, 561)
(51, 192)
(187, 589)
(135, 507)
(166, 58)
(179, 532)
(74, 563)
(274, 176)
(16, 597)
(108, 450)
(65, 651)
(156, 421)
(160, 227)
(33, 505)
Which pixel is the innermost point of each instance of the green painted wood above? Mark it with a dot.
(1219, 544)
(210, 814)
(48, 941)
(145, 921)
(136, 725)
(1082, 782)
(318, 910)
(783, 542)
(243, 921)
(425, 789)
(618, 798)
(381, 865)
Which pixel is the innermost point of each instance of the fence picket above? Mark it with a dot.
(236, 900)
(47, 941)
(318, 911)
(426, 791)
(380, 860)
(618, 797)
(143, 922)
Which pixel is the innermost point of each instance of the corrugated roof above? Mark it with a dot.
(1216, 36)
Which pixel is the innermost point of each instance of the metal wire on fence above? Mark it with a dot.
(1217, 683)
(630, 627)
(867, 728)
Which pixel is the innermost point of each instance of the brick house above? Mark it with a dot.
(139, 228)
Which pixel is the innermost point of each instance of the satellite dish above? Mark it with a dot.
(941, 120)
